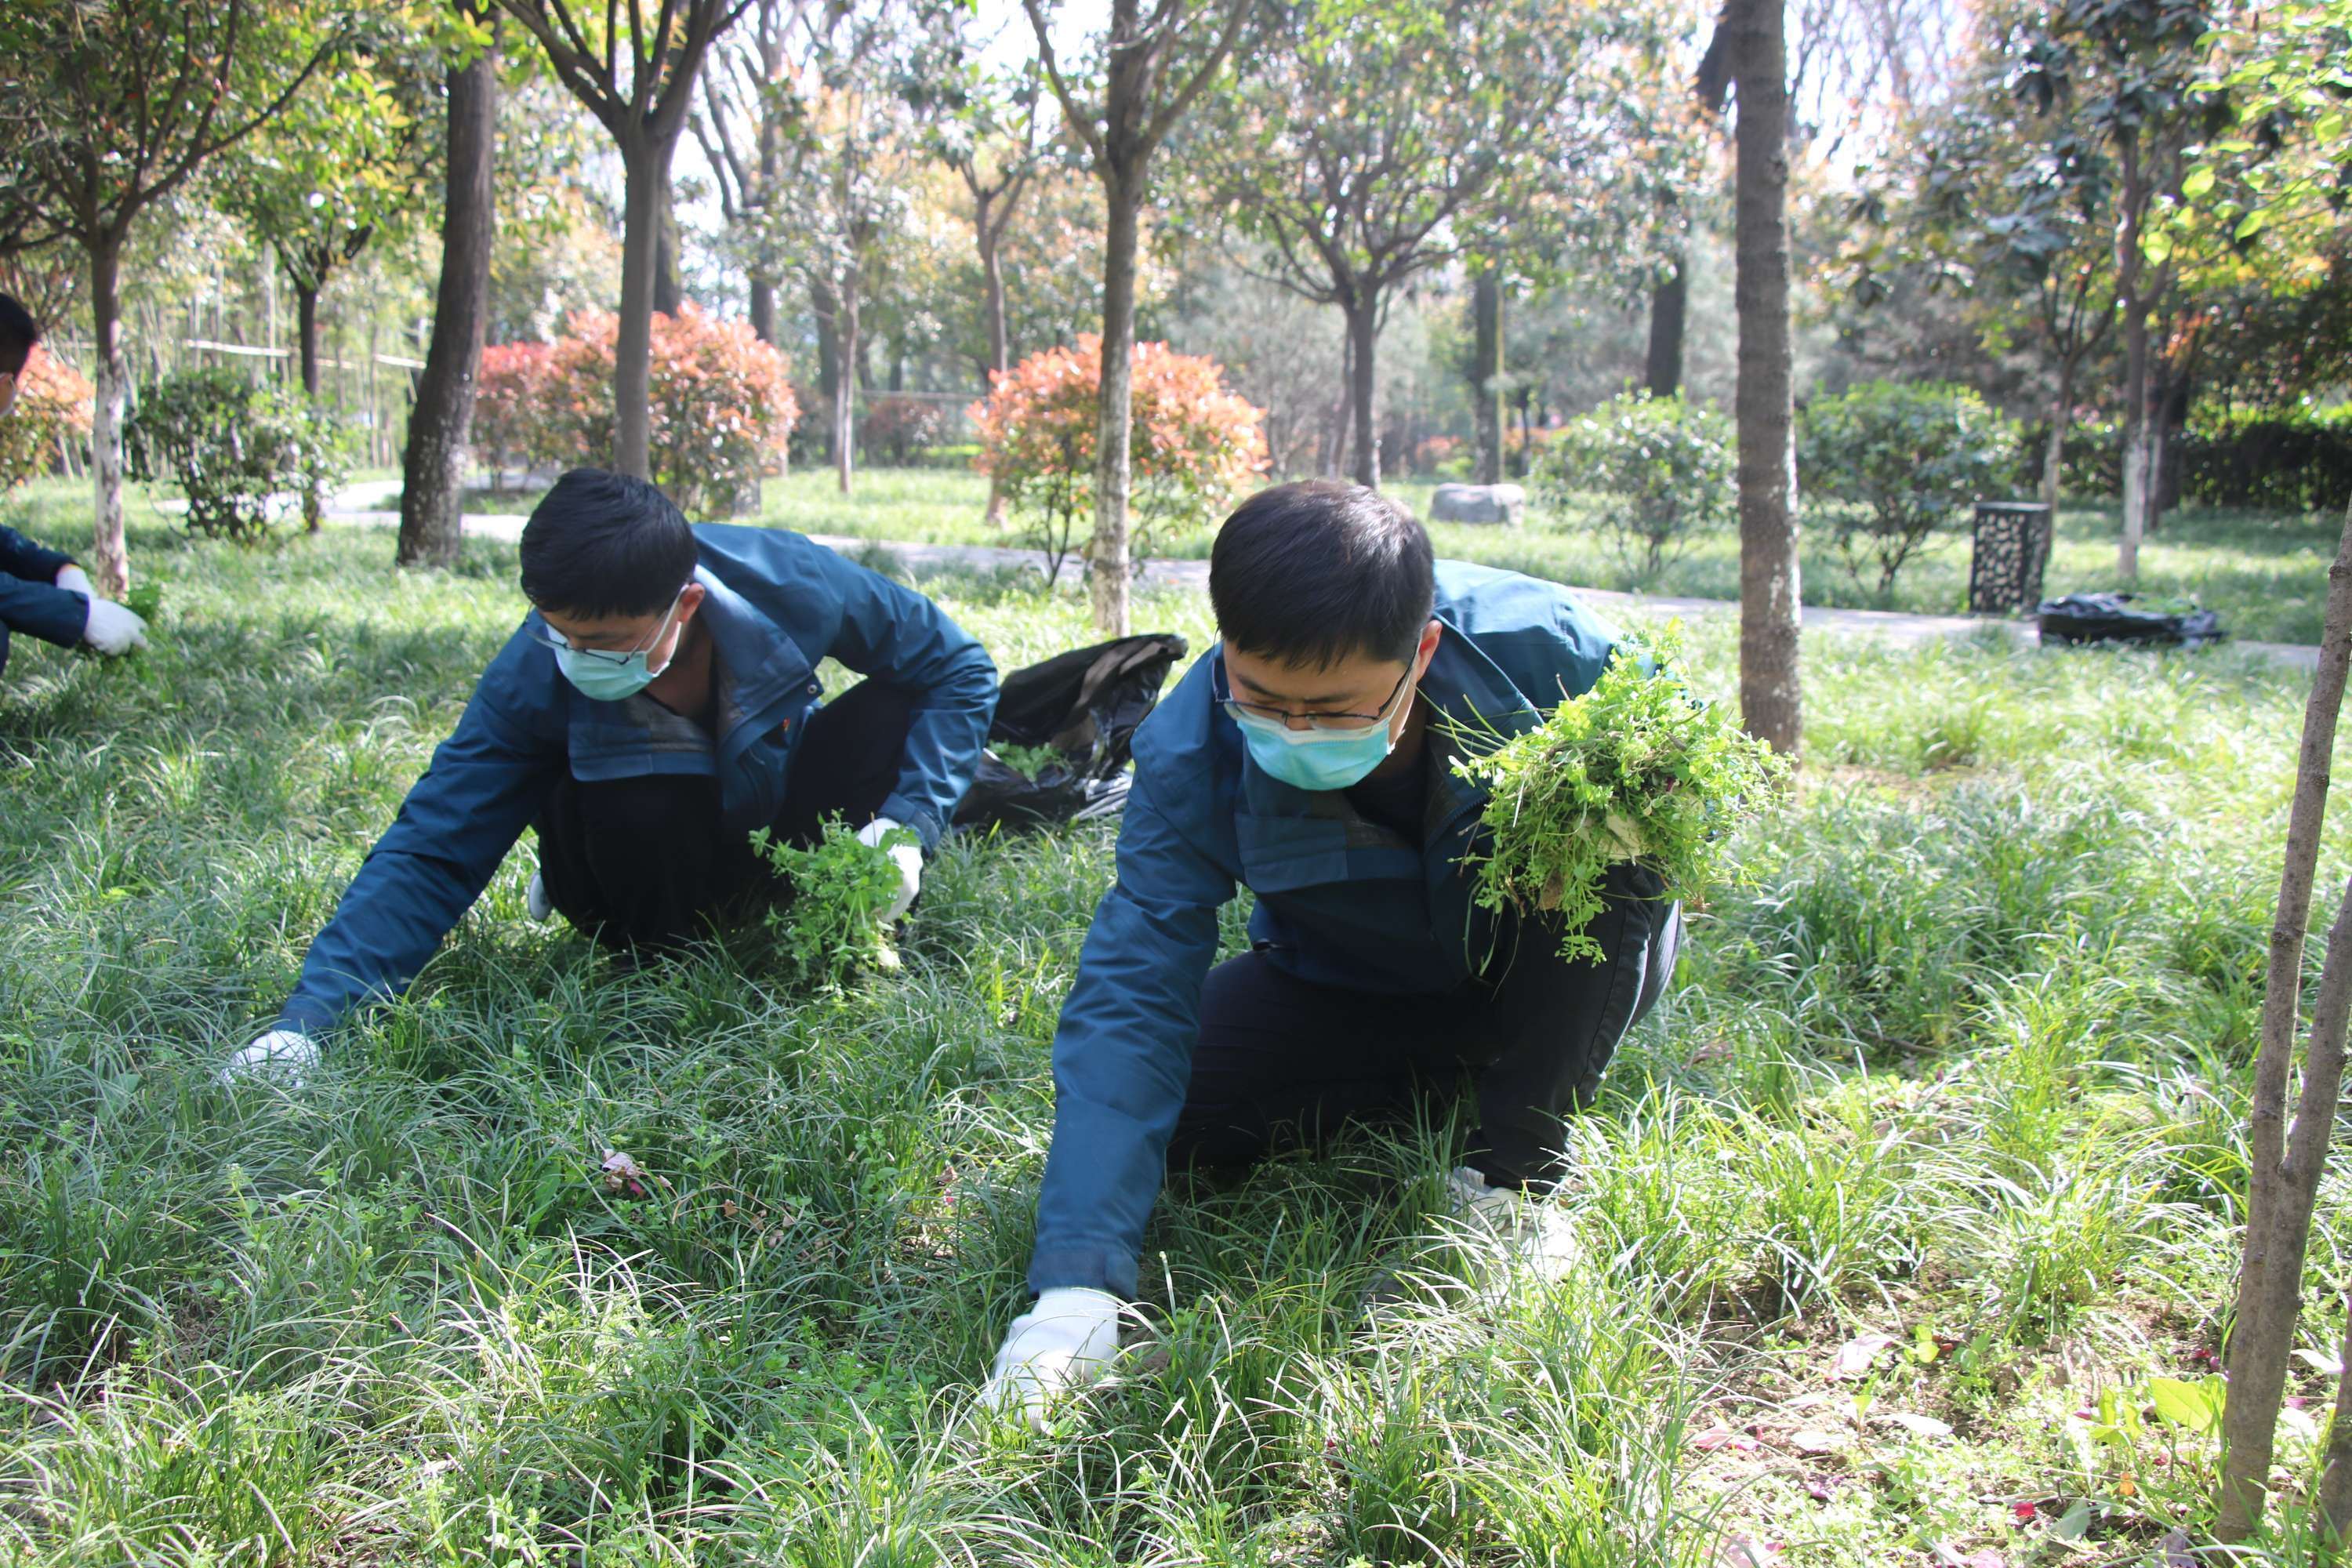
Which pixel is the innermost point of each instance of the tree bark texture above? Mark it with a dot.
(844, 401)
(1771, 603)
(433, 470)
(668, 293)
(1487, 372)
(1106, 557)
(1363, 383)
(110, 563)
(2282, 1174)
(646, 165)
(2133, 304)
(1669, 304)
(764, 309)
(1000, 341)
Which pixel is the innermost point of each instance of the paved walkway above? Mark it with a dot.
(1899, 627)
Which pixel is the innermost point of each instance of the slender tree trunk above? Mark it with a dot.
(1669, 303)
(2133, 302)
(1770, 604)
(646, 165)
(668, 293)
(110, 563)
(845, 403)
(1106, 560)
(2282, 1175)
(1486, 371)
(822, 305)
(1000, 341)
(2062, 422)
(2335, 1479)
(1363, 336)
(433, 470)
(306, 341)
(764, 309)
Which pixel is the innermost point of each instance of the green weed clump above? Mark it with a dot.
(832, 926)
(1638, 769)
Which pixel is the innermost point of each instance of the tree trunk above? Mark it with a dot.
(646, 171)
(2283, 1176)
(306, 339)
(845, 402)
(1486, 371)
(110, 563)
(822, 305)
(2336, 1479)
(764, 309)
(668, 293)
(1769, 600)
(1000, 341)
(2054, 452)
(1669, 303)
(1363, 336)
(1106, 560)
(433, 470)
(2133, 304)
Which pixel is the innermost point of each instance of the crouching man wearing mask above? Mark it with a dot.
(657, 704)
(1307, 757)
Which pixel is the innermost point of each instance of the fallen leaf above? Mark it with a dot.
(1716, 1437)
(1710, 1051)
(1925, 1425)
(2318, 1361)
(1947, 1555)
(1854, 1356)
(1744, 1551)
(2076, 1523)
(1817, 1489)
(1815, 1440)
(2175, 1547)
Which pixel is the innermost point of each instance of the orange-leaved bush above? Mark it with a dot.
(722, 403)
(1196, 443)
(52, 411)
(511, 417)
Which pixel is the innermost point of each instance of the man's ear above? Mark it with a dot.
(690, 600)
(7, 392)
(1431, 635)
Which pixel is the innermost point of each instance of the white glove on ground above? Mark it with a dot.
(1061, 1346)
(907, 858)
(1527, 1229)
(74, 580)
(112, 629)
(535, 901)
(286, 1055)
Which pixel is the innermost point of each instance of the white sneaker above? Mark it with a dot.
(286, 1056)
(534, 898)
(1531, 1231)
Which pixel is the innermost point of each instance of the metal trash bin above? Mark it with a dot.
(2012, 547)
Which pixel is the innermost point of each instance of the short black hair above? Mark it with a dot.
(18, 333)
(602, 544)
(1312, 572)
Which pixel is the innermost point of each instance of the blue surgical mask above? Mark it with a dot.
(1320, 759)
(607, 677)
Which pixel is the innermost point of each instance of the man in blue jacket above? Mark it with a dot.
(659, 704)
(1306, 758)
(42, 592)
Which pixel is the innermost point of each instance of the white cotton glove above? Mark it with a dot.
(74, 580)
(112, 629)
(286, 1055)
(907, 858)
(1062, 1345)
(1533, 1230)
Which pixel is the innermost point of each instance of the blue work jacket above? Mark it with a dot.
(1341, 901)
(776, 604)
(30, 599)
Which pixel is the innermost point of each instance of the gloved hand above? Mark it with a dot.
(907, 858)
(74, 580)
(112, 629)
(1060, 1346)
(286, 1055)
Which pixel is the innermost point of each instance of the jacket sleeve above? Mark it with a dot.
(1123, 1054)
(898, 635)
(486, 783)
(30, 600)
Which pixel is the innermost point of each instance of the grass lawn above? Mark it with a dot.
(1965, 1066)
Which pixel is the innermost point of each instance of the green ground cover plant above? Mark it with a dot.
(1905, 1213)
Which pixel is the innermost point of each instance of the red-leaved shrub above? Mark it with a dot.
(1196, 444)
(52, 410)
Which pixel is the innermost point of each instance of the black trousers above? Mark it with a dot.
(647, 862)
(1281, 1061)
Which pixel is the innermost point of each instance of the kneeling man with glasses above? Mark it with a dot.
(658, 703)
(1307, 757)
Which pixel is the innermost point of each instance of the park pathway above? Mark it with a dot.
(362, 505)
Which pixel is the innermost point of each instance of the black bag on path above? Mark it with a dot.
(2125, 618)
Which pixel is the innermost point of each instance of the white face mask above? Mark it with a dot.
(611, 676)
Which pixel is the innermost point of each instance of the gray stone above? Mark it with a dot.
(1505, 504)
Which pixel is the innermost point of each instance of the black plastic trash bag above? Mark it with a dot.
(2126, 617)
(1084, 705)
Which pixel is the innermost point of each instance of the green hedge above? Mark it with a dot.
(2294, 462)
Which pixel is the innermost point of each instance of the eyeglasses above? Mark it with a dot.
(1342, 722)
(561, 644)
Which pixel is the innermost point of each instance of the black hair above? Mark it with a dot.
(1313, 573)
(601, 544)
(18, 333)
